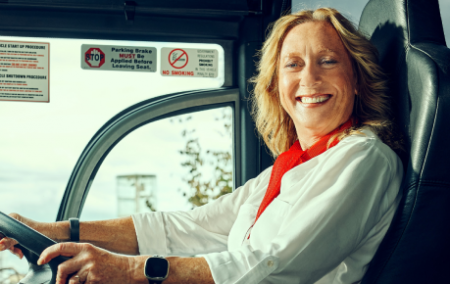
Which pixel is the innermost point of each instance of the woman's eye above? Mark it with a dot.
(328, 62)
(292, 65)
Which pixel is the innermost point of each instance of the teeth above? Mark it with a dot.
(314, 100)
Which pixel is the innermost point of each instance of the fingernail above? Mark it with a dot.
(2, 246)
(39, 262)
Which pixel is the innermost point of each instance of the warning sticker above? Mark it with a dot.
(118, 58)
(24, 71)
(189, 62)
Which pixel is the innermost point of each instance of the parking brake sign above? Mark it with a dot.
(118, 58)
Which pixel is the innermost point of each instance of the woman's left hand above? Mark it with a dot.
(89, 264)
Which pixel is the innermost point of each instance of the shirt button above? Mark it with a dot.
(270, 263)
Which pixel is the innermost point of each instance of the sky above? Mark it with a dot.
(40, 143)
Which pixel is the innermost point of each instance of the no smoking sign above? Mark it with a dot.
(178, 58)
(189, 62)
(94, 57)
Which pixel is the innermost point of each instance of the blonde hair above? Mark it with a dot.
(371, 107)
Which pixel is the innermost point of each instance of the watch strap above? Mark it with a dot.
(154, 281)
(74, 226)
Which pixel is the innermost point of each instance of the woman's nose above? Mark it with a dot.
(310, 76)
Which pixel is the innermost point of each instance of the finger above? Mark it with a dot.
(15, 216)
(68, 268)
(64, 249)
(75, 279)
(7, 243)
(72, 268)
(79, 277)
(18, 252)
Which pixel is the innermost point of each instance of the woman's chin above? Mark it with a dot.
(316, 124)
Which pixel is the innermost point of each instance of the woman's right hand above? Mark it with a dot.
(9, 244)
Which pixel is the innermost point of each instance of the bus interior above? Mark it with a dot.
(98, 139)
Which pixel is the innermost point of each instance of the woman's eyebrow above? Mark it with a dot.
(290, 55)
(296, 54)
(327, 50)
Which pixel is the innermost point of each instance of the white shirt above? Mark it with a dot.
(324, 227)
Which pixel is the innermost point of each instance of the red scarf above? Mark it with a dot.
(292, 158)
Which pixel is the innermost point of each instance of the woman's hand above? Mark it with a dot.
(89, 264)
(9, 244)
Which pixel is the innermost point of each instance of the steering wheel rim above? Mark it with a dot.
(32, 244)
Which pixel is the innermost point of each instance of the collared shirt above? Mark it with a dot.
(324, 227)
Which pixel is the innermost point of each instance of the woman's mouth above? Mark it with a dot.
(313, 99)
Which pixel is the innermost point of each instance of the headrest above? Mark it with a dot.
(393, 25)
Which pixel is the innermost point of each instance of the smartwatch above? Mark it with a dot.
(156, 269)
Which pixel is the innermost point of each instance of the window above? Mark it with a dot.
(175, 163)
(41, 142)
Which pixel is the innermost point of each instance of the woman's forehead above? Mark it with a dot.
(318, 37)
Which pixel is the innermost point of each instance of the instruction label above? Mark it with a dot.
(189, 62)
(24, 71)
(118, 58)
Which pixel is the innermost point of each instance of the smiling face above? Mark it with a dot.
(315, 80)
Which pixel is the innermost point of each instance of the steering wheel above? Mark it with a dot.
(32, 243)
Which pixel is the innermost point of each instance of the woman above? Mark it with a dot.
(317, 216)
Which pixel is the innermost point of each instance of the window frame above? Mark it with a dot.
(132, 118)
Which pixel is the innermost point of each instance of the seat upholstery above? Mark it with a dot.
(410, 39)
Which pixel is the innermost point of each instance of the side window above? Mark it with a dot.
(172, 164)
(41, 142)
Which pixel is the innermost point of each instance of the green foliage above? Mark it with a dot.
(201, 188)
(150, 205)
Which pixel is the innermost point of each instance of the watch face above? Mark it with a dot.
(156, 268)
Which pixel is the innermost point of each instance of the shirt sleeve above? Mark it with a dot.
(346, 199)
(202, 230)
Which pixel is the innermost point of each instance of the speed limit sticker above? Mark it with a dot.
(190, 62)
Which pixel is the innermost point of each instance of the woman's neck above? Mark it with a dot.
(307, 142)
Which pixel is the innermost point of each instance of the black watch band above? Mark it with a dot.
(74, 225)
(154, 281)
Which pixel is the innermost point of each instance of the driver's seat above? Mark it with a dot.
(411, 43)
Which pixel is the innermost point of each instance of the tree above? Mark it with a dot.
(201, 188)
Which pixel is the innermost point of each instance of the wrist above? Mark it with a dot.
(136, 269)
(59, 231)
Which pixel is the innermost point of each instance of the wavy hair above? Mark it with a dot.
(371, 107)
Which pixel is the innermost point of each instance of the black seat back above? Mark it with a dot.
(411, 43)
